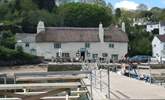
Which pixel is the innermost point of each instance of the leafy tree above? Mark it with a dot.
(7, 39)
(32, 18)
(45, 4)
(82, 15)
(118, 13)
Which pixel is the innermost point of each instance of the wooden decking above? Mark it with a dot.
(40, 85)
(69, 85)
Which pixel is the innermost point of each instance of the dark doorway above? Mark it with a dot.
(83, 55)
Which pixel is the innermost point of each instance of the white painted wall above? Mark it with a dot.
(150, 28)
(47, 49)
(158, 48)
(32, 46)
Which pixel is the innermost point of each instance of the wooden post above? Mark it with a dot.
(108, 83)
(95, 77)
(150, 74)
(67, 96)
(5, 80)
(91, 86)
(100, 80)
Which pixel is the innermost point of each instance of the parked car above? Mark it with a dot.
(140, 58)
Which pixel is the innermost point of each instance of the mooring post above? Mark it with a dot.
(108, 83)
(91, 85)
(100, 81)
(67, 96)
(95, 76)
(150, 74)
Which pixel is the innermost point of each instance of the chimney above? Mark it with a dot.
(40, 27)
(123, 27)
(101, 32)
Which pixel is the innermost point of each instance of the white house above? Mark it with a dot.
(154, 25)
(89, 43)
(158, 43)
(139, 21)
(151, 26)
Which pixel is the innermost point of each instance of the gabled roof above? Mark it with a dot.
(25, 37)
(113, 34)
(74, 34)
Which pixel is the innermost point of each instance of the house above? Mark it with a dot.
(158, 43)
(154, 25)
(151, 26)
(89, 43)
(139, 21)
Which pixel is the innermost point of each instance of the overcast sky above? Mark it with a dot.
(132, 4)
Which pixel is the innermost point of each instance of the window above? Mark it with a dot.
(154, 45)
(57, 45)
(27, 45)
(95, 56)
(65, 54)
(105, 54)
(111, 45)
(114, 57)
(87, 45)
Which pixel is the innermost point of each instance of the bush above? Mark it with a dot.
(16, 57)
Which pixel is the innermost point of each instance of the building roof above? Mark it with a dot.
(161, 38)
(25, 37)
(68, 34)
(72, 34)
(113, 34)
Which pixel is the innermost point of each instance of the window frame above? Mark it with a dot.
(104, 54)
(27, 45)
(111, 45)
(87, 45)
(57, 45)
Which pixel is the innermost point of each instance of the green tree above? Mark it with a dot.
(7, 39)
(31, 19)
(82, 15)
(45, 4)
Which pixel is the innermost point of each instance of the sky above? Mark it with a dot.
(132, 4)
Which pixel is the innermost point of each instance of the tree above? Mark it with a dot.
(31, 19)
(82, 15)
(7, 39)
(118, 13)
(45, 4)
